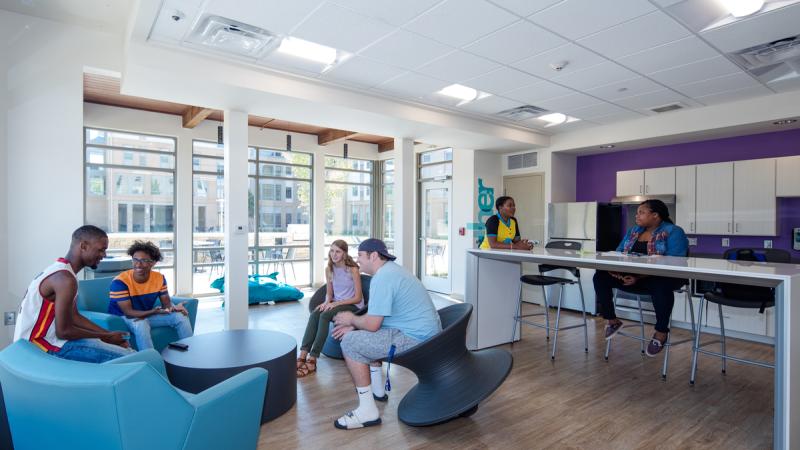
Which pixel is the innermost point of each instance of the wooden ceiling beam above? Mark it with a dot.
(193, 115)
(386, 146)
(331, 136)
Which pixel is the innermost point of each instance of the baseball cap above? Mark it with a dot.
(376, 245)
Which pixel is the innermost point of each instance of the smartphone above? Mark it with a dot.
(126, 336)
(179, 346)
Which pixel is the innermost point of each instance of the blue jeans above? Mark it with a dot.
(91, 350)
(140, 328)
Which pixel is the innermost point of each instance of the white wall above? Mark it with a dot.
(6, 303)
(44, 138)
(102, 116)
(464, 207)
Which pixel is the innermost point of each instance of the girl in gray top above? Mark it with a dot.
(343, 294)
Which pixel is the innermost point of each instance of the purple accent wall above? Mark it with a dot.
(596, 177)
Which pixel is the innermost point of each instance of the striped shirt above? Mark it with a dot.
(142, 296)
(37, 314)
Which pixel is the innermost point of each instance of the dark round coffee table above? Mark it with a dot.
(215, 357)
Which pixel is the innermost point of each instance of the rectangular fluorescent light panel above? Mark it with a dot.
(308, 50)
(464, 93)
(554, 119)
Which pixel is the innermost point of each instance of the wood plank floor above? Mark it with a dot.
(577, 401)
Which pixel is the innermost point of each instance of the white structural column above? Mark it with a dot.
(404, 192)
(183, 210)
(318, 228)
(236, 219)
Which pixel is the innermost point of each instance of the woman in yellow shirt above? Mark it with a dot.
(502, 229)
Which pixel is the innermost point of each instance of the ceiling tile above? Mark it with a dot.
(502, 80)
(654, 99)
(390, 11)
(361, 71)
(625, 88)
(325, 27)
(730, 96)
(575, 19)
(598, 110)
(577, 58)
(515, 42)
(459, 22)
(599, 75)
(619, 117)
(490, 105)
(412, 84)
(635, 35)
(724, 83)
(568, 102)
(405, 49)
(696, 71)
(680, 52)
(279, 17)
(535, 93)
(524, 8)
(458, 66)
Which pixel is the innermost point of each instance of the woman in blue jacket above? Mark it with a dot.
(653, 234)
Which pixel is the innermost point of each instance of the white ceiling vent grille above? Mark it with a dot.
(666, 108)
(229, 36)
(522, 161)
(773, 61)
(522, 113)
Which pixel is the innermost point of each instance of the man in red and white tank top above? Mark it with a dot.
(49, 316)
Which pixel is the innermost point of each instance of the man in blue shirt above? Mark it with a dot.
(400, 313)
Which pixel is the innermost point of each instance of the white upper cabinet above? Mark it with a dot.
(714, 207)
(630, 182)
(788, 177)
(685, 194)
(754, 210)
(659, 181)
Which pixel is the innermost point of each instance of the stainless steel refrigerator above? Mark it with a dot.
(598, 227)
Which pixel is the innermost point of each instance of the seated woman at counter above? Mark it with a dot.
(653, 234)
(502, 229)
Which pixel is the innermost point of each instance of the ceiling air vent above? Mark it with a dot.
(773, 61)
(230, 36)
(665, 108)
(522, 161)
(522, 113)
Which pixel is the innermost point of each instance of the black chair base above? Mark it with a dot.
(452, 380)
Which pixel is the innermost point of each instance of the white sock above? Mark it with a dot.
(376, 377)
(367, 410)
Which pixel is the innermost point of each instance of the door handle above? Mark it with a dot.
(737, 227)
(640, 189)
(729, 227)
(691, 226)
(646, 188)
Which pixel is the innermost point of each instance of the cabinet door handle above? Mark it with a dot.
(737, 227)
(646, 188)
(729, 227)
(691, 226)
(640, 189)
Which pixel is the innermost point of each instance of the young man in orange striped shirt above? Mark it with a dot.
(49, 317)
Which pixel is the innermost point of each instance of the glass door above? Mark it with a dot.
(435, 236)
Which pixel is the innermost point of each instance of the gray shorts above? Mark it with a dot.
(368, 346)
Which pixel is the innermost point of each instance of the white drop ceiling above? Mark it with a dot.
(623, 57)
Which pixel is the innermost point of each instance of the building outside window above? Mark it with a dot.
(129, 191)
(348, 204)
(208, 201)
(387, 207)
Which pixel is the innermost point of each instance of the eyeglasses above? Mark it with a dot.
(142, 261)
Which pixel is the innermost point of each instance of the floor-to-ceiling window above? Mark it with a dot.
(208, 202)
(348, 201)
(387, 204)
(279, 205)
(130, 191)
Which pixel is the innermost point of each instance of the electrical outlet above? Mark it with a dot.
(692, 241)
(767, 243)
(726, 242)
(10, 318)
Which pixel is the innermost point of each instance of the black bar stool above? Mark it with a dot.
(543, 280)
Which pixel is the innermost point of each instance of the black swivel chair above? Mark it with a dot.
(452, 379)
(332, 348)
(737, 296)
(544, 280)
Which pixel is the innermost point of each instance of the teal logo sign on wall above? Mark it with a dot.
(485, 207)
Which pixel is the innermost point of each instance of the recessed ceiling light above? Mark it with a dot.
(464, 93)
(742, 8)
(554, 119)
(784, 122)
(608, 146)
(308, 50)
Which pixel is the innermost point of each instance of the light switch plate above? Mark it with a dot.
(726, 242)
(692, 241)
(767, 243)
(10, 318)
